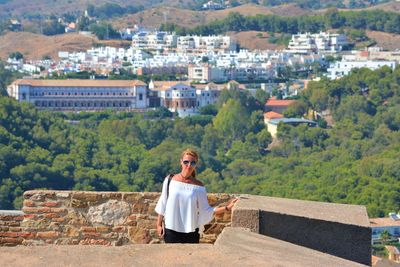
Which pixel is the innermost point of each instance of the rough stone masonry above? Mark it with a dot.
(92, 218)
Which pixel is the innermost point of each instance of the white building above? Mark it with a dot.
(71, 95)
(318, 42)
(342, 68)
(211, 5)
(179, 98)
(243, 72)
(186, 99)
(390, 224)
(206, 43)
(154, 40)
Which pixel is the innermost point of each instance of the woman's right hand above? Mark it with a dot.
(160, 230)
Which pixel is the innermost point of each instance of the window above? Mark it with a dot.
(140, 97)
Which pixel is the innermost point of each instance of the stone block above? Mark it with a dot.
(63, 195)
(77, 203)
(74, 217)
(111, 195)
(140, 208)
(28, 203)
(51, 215)
(8, 241)
(246, 218)
(51, 204)
(119, 229)
(86, 196)
(112, 212)
(71, 231)
(88, 229)
(91, 234)
(139, 235)
(103, 229)
(132, 197)
(49, 234)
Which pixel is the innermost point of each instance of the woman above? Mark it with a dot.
(183, 207)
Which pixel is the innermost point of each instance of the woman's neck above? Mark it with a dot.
(185, 177)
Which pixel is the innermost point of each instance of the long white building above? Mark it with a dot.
(74, 95)
(342, 68)
(317, 42)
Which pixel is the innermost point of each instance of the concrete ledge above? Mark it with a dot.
(246, 218)
(338, 229)
(11, 213)
(260, 250)
(235, 247)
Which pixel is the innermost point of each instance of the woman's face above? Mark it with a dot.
(188, 164)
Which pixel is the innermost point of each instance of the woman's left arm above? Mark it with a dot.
(226, 208)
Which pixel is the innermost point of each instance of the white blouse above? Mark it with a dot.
(187, 206)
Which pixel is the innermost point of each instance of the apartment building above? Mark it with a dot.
(206, 43)
(344, 67)
(154, 40)
(319, 42)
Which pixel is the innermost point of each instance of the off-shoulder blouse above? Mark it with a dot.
(187, 206)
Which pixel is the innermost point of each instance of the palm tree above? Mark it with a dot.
(385, 236)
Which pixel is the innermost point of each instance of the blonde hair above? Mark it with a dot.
(192, 153)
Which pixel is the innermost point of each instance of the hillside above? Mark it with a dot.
(254, 40)
(154, 17)
(391, 7)
(36, 46)
(387, 41)
(47, 7)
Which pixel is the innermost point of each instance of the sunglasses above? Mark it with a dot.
(192, 163)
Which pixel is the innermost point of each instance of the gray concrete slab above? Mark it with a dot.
(342, 213)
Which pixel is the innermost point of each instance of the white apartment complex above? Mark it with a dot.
(245, 72)
(206, 43)
(344, 67)
(154, 40)
(317, 42)
(75, 95)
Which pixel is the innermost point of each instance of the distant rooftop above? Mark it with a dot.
(383, 222)
(291, 121)
(278, 102)
(80, 83)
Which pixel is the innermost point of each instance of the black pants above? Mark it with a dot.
(172, 236)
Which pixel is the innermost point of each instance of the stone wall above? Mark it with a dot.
(94, 218)
(11, 232)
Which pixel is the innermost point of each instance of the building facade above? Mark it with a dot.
(186, 99)
(344, 67)
(390, 224)
(78, 95)
(318, 42)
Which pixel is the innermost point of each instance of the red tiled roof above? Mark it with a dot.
(80, 83)
(277, 102)
(383, 222)
(272, 115)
